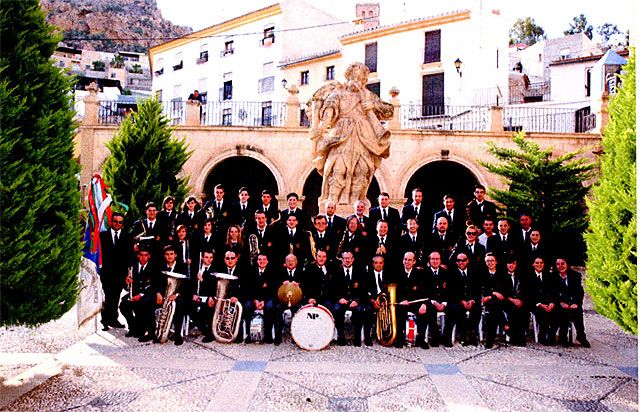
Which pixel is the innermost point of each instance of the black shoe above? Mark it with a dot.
(423, 344)
(368, 342)
(342, 342)
(146, 338)
(447, 344)
(488, 344)
(238, 339)
(116, 324)
(563, 342)
(357, 343)
(207, 339)
(583, 342)
(178, 340)
(247, 339)
(277, 341)
(105, 327)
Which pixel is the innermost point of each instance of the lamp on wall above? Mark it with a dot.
(284, 83)
(458, 64)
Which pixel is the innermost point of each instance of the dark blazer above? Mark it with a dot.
(365, 225)
(221, 216)
(272, 214)
(545, 291)
(244, 218)
(423, 218)
(183, 284)
(337, 225)
(570, 291)
(516, 289)
(316, 284)
(141, 228)
(168, 221)
(405, 244)
(304, 222)
(260, 287)
(393, 218)
(207, 285)
(464, 287)
(439, 280)
(435, 243)
(416, 286)
(267, 243)
(498, 282)
(390, 245)
(457, 225)
(143, 280)
(115, 257)
(358, 246)
(475, 258)
(372, 285)
(478, 213)
(501, 249)
(192, 223)
(299, 244)
(353, 289)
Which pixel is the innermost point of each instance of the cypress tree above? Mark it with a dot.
(611, 241)
(145, 160)
(551, 189)
(40, 243)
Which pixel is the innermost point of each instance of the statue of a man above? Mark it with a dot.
(349, 140)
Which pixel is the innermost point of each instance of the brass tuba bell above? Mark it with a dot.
(386, 319)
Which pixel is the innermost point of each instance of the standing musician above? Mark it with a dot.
(354, 241)
(417, 210)
(412, 285)
(294, 240)
(203, 292)
(323, 238)
(242, 211)
(294, 210)
(376, 282)
(439, 295)
(150, 232)
(387, 213)
(219, 210)
(260, 294)
(168, 216)
(269, 206)
(189, 216)
(442, 240)
(413, 241)
(542, 300)
(204, 240)
(335, 223)
(515, 306)
(359, 207)
(137, 305)
(494, 291)
(184, 250)
(348, 291)
(265, 234)
(382, 242)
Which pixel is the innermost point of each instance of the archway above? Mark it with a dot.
(313, 188)
(439, 178)
(238, 171)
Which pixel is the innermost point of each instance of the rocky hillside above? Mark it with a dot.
(110, 25)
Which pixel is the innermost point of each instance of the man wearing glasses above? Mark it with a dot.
(464, 305)
(115, 245)
(471, 247)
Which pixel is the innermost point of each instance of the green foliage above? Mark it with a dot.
(525, 30)
(40, 231)
(117, 61)
(611, 239)
(98, 65)
(611, 35)
(580, 25)
(145, 160)
(551, 189)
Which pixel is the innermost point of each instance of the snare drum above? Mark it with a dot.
(411, 330)
(312, 327)
(256, 327)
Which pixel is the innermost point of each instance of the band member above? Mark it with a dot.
(442, 240)
(412, 285)
(376, 280)
(533, 248)
(242, 212)
(323, 238)
(205, 240)
(137, 305)
(543, 297)
(295, 240)
(185, 253)
(515, 306)
(456, 218)
(269, 206)
(439, 295)
(523, 234)
(235, 242)
(294, 210)
(289, 274)
(335, 223)
(381, 242)
(417, 210)
(487, 231)
(260, 294)
(472, 248)
(115, 245)
(149, 232)
(359, 207)
(168, 216)
(265, 234)
(348, 291)
(493, 291)
(234, 292)
(203, 292)
(171, 264)
(504, 243)
(387, 213)
(189, 216)
(219, 210)
(570, 297)
(464, 306)
(413, 241)
(317, 281)
(354, 241)
(479, 208)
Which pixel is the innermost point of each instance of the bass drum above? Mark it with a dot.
(256, 328)
(312, 327)
(411, 330)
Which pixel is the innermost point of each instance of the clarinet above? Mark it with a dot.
(131, 285)
(199, 281)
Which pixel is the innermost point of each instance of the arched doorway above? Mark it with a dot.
(439, 178)
(313, 188)
(238, 171)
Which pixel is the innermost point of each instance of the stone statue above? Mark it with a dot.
(348, 139)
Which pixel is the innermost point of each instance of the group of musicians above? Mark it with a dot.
(455, 266)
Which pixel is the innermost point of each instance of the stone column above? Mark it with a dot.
(602, 118)
(495, 119)
(193, 113)
(293, 108)
(87, 134)
(394, 124)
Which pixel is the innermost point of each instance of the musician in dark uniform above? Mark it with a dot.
(186, 253)
(412, 241)
(442, 240)
(542, 300)
(115, 246)
(479, 208)
(269, 206)
(234, 292)
(504, 242)
(382, 242)
(413, 284)
(203, 291)
(494, 290)
(416, 210)
(377, 279)
(317, 280)
(168, 216)
(387, 213)
(137, 306)
(171, 264)
(515, 306)
(189, 216)
(293, 210)
(294, 240)
(354, 241)
(335, 223)
(570, 297)
(289, 274)
(464, 306)
(204, 240)
(349, 290)
(218, 209)
(323, 238)
(150, 232)
(359, 207)
(456, 218)
(439, 295)
(472, 248)
(242, 211)
(260, 291)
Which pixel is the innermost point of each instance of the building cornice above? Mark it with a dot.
(333, 54)
(378, 32)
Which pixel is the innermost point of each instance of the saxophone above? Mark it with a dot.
(227, 317)
(386, 319)
(164, 315)
(254, 248)
(312, 244)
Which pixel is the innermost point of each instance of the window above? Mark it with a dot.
(432, 46)
(266, 84)
(269, 36)
(160, 67)
(565, 53)
(587, 81)
(204, 54)
(371, 57)
(304, 77)
(202, 85)
(228, 48)
(227, 90)
(159, 95)
(266, 114)
(177, 91)
(374, 88)
(226, 117)
(178, 62)
(304, 119)
(267, 68)
(433, 94)
(331, 73)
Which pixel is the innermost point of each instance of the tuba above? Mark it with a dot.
(227, 317)
(386, 320)
(164, 315)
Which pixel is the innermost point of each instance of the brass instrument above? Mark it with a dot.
(227, 317)
(290, 294)
(164, 315)
(254, 248)
(386, 319)
(341, 245)
(312, 244)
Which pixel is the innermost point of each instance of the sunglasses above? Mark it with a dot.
(472, 233)
(229, 258)
(118, 221)
(461, 260)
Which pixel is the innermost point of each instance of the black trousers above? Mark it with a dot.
(466, 322)
(357, 314)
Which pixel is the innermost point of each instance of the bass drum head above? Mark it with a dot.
(312, 327)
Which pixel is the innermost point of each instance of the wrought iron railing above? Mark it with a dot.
(444, 117)
(539, 119)
(110, 113)
(533, 92)
(249, 114)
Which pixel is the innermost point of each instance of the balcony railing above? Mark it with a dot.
(248, 114)
(539, 119)
(534, 92)
(444, 117)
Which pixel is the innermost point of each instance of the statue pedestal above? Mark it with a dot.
(344, 210)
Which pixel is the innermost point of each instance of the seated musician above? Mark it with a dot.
(439, 296)
(231, 267)
(317, 279)
(289, 274)
(494, 291)
(171, 264)
(542, 299)
(260, 294)
(377, 279)
(348, 291)
(464, 306)
(570, 297)
(413, 285)
(136, 306)
(515, 305)
(203, 292)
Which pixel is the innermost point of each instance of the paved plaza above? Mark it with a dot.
(58, 368)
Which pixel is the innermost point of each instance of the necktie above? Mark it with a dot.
(435, 273)
(534, 247)
(360, 220)
(190, 215)
(351, 237)
(230, 270)
(513, 281)
(150, 225)
(381, 240)
(379, 280)
(330, 222)
(218, 205)
(449, 213)
(261, 233)
(291, 233)
(413, 239)
(206, 238)
(464, 273)
(442, 237)
(290, 273)
(348, 273)
(142, 268)
(504, 238)
(415, 209)
(260, 273)
(244, 207)
(116, 237)
(384, 214)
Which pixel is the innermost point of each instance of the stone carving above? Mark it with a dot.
(348, 139)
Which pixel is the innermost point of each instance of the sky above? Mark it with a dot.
(554, 16)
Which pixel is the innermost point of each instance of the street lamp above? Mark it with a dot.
(458, 64)
(284, 83)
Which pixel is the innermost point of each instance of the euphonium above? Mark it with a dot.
(386, 320)
(164, 315)
(254, 248)
(227, 317)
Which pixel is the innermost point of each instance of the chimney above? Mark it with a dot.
(368, 14)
